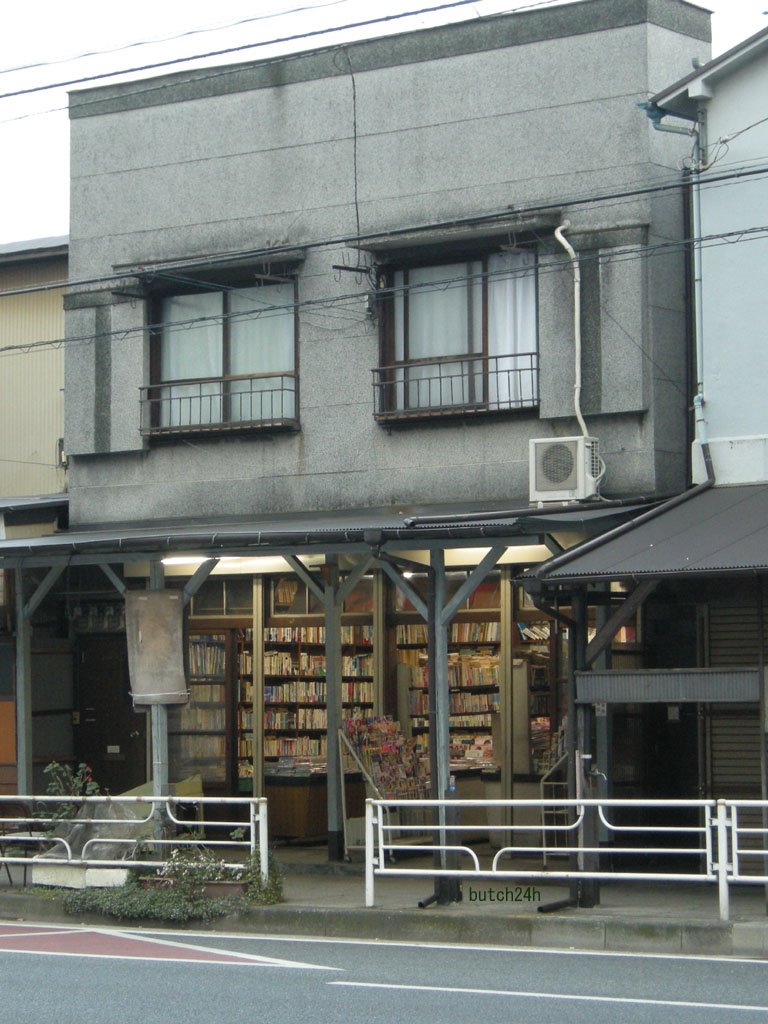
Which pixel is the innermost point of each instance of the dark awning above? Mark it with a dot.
(722, 530)
(347, 531)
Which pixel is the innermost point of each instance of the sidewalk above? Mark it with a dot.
(324, 899)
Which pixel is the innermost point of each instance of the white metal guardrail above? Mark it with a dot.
(129, 831)
(711, 851)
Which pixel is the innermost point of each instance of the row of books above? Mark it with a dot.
(245, 663)
(463, 672)
(294, 634)
(472, 670)
(312, 718)
(360, 636)
(244, 719)
(206, 658)
(295, 746)
(303, 691)
(461, 633)
(206, 693)
(195, 719)
(279, 719)
(460, 703)
(466, 721)
(307, 691)
(203, 749)
(534, 631)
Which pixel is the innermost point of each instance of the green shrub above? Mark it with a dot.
(182, 900)
(130, 902)
(259, 892)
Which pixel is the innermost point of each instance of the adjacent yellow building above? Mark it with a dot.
(32, 462)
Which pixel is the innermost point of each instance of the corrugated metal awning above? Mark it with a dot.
(669, 686)
(719, 530)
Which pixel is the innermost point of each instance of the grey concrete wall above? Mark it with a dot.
(468, 120)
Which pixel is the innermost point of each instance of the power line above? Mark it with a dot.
(296, 37)
(619, 255)
(208, 76)
(275, 252)
(170, 38)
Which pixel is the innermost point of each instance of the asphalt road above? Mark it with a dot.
(109, 976)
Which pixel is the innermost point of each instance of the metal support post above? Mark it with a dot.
(447, 890)
(159, 720)
(263, 839)
(24, 781)
(722, 860)
(332, 602)
(589, 888)
(370, 856)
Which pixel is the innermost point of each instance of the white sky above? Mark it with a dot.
(34, 129)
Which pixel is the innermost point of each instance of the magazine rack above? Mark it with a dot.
(391, 770)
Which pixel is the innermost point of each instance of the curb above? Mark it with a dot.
(601, 934)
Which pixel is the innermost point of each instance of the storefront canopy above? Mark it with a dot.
(718, 531)
(361, 530)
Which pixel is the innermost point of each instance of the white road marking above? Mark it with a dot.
(46, 932)
(117, 956)
(472, 947)
(264, 961)
(554, 995)
(39, 932)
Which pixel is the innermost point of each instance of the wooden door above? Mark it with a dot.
(109, 735)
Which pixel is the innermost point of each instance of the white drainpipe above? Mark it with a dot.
(576, 322)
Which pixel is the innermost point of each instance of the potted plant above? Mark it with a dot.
(196, 870)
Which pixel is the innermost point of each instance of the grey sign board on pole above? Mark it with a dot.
(154, 624)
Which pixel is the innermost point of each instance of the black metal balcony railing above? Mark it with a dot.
(216, 404)
(456, 385)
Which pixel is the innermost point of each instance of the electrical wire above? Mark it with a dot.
(275, 252)
(295, 37)
(335, 302)
(219, 73)
(170, 38)
(269, 42)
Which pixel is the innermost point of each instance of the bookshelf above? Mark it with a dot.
(535, 639)
(473, 671)
(244, 709)
(295, 686)
(198, 732)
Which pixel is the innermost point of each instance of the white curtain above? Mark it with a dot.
(261, 341)
(190, 349)
(512, 329)
(444, 311)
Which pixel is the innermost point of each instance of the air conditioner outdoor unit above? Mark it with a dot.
(564, 468)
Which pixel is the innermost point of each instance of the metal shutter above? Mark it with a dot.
(734, 735)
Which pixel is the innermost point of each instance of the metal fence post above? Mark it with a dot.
(722, 859)
(263, 839)
(369, 861)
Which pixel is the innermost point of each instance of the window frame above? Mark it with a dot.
(477, 348)
(223, 286)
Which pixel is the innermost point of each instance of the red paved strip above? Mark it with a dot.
(106, 944)
(22, 928)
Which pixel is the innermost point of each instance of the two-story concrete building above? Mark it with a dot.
(319, 306)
